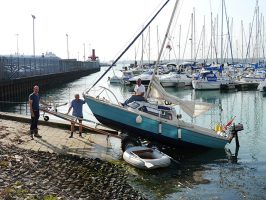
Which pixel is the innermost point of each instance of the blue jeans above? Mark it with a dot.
(134, 98)
(34, 120)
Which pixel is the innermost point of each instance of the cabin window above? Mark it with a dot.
(149, 110)
(134, 105)
(165, 114)
(164, 108)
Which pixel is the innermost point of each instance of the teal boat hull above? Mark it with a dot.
(168, 134)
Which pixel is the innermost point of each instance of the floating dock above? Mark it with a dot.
(239, 86)
(246, 86)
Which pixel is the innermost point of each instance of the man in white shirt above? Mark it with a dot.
(138, 95)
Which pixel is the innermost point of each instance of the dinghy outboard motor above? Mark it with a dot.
(234, 132)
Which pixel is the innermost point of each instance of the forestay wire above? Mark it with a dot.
(131, 43)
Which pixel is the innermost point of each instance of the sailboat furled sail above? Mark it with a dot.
(155, 89)
(192, 108)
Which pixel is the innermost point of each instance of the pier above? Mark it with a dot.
(239, 86)
(18, 74)
(246, 86)
(55, 138)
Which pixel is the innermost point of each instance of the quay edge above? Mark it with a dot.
(18, 88)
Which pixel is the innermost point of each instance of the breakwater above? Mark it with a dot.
(19, 74)
(18, 89)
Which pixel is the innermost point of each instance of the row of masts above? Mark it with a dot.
(252, 45)
(257, 43)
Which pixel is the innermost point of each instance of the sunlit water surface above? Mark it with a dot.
(200, 175)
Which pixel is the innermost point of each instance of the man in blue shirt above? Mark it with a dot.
(77, 105)
(34, 100)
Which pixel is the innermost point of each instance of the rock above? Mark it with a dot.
(63, 176)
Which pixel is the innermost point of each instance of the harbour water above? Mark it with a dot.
(214, 174)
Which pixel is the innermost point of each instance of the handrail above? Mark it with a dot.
(104, 88)
(110, 92)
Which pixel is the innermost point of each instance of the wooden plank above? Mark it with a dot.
(73, 120)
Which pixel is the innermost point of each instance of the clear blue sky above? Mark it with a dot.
(106, 25)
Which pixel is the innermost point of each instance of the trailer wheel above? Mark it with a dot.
(129, 142)
(46, 118)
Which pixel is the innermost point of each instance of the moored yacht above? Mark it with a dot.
(208, 80)
(145, 78)
(174, 78)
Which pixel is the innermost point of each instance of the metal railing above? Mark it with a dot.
(13, 67)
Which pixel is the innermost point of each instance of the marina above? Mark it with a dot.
(174, 115)
(197, 171)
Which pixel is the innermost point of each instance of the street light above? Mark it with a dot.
(84, 52)
(17, 43)
(67, 46)
(33, 19)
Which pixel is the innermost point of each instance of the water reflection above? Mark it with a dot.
(206, 96)
(228, 174)
(232, 157)
(183, 177)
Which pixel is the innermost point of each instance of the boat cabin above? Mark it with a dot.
(206, 75)
(156, 110)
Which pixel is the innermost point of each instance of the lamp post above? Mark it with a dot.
(84, 52)
(33, 36)
(17, 43)
(67, 46)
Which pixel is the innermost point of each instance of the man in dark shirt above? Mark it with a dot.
(34, 100)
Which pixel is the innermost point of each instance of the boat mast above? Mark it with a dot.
(242, 30)
(229, 35)
(211, 35)
(162, 48)
(261, 41)
(263, 38)
(149, 45)
(142, 47)
(215, 38)
(158, 43)
(179, 48)
(130, 44)
(192, 25)
(237, 58)
(222, 32)
(249, 40)
(216, 45)
(203, 41)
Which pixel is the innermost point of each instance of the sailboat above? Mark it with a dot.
(208, 80)
(115, 79)
(154, 120)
